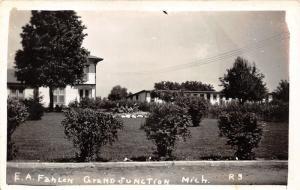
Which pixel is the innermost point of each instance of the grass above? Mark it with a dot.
(44, 140)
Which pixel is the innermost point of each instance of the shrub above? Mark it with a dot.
(118, 106)
(144, 106)
(273, 111)
(166, 124)
(59, 108)
(197, 107)
(243, 132)
(87, 103)
(166, 95)
(276, 111)
(16, 114)
(34, 108)
(90, 130)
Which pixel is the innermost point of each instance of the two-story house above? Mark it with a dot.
(62, 96)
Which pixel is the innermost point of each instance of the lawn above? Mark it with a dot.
(44, 140)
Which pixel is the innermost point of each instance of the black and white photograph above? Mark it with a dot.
(147, 97)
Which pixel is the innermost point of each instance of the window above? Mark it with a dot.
(92, 68)
(59, 96)
(16, 93)
(87, 93)
(81, 93)
(13, 92)
(214, 96)
(208, 96)
(85, 73)
(21, 93)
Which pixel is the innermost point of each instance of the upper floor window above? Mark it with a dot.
(92, 68)
(85, 73)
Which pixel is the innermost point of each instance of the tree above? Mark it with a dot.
(167, 85)
(282, 91)
(188, 85)
(52, 54)
(196, 86)
(117, 93)
(243, 82)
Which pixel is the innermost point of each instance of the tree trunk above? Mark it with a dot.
(36, 94)
(51, 99)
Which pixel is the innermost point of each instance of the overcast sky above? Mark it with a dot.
(141, 48)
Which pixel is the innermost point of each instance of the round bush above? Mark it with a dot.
(34, 108)
(89, 130)
(166, 124)
(197, 107)
(243, 132)
(16, 114)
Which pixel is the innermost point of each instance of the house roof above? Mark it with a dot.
(138, 93)
(184, 91)
(192, 91)
(11, 77)
(94, 59)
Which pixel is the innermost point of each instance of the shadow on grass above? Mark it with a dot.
(74, 159)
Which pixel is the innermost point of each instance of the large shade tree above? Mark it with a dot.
(52, 54)
(244, 82)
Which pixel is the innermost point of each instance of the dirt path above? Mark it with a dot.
(194, 173)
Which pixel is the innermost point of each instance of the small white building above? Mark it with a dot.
(214, 97)
(145, 96)
(62, 96)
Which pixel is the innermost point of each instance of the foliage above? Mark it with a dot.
(117, 93)
(59, 108)
(196, 86)
(89, 130)
(269, 111)
(282, 91)
(16, 114)
(51, 54)
(244, 82)
(118, 106)
(243, 132)
(168, 91)
(197, 107)
(276, 110)
(167, 85)
(188, 86)
(165, 125)
(166, 95)
(35, 108)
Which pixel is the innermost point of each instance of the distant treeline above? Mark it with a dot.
(188, 85)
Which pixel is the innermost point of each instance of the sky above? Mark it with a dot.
(141, 48)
